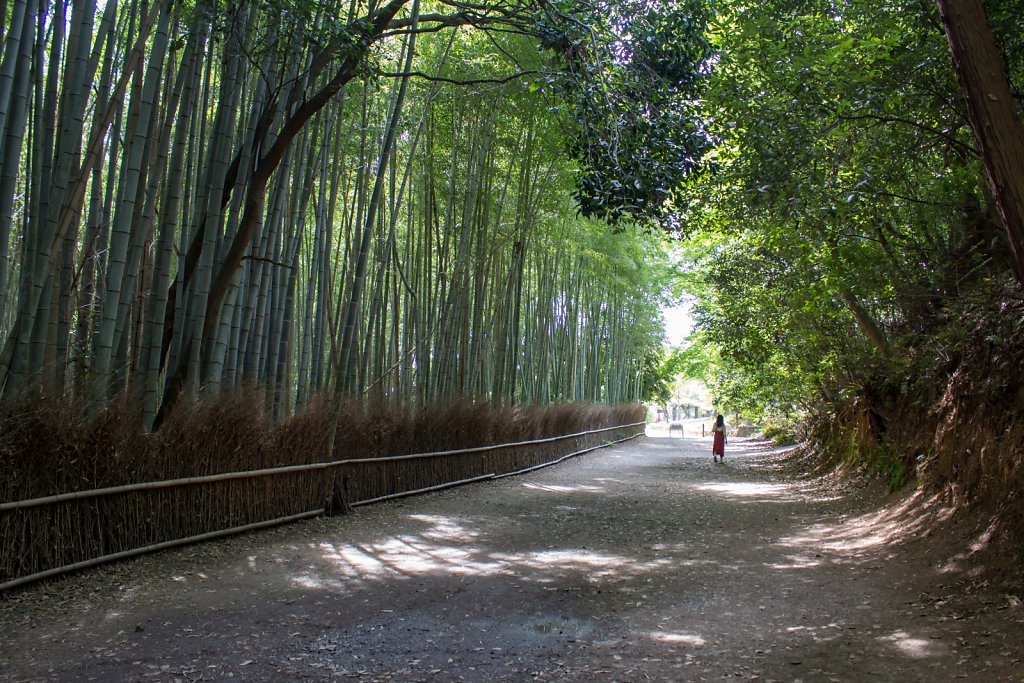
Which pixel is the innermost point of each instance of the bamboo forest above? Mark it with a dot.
(352, 197)
(417, 203)
(264, 261)
(257, 235)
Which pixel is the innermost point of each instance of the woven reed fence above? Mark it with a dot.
(51, 535)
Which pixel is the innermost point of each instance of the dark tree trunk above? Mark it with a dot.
(993, 113)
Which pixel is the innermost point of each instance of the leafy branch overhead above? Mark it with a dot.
(632, 107)
(850, 212)
(628, 75)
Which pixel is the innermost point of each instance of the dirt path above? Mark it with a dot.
(638, 562)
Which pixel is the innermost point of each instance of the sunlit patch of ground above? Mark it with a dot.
(913, 647)
(797, 562)
(442, 527)
(758, 492)
(858, 534)
(447, 547)
(407, 555)
(606, 480)
(563, 489)
(961, 561)
(746, 488)
(692, 639)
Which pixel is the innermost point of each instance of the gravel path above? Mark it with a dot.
(643, 561)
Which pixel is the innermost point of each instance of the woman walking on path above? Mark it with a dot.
(718, 446)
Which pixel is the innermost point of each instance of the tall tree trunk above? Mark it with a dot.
(349, 343)
(29, 304)
(125, 244)
(13, 133)
(868, 325)
(993, 113)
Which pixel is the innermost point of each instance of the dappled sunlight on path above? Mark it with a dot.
(644, 561)
(686, 560)
(744, 489)
(871, 531)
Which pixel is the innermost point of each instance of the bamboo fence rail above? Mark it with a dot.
(106, 524)
(134, 552)
(185, 481)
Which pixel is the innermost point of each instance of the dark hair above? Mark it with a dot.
(720, 422)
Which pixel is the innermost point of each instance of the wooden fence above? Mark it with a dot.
(52, 535)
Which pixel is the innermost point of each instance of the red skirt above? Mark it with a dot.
(718, 448)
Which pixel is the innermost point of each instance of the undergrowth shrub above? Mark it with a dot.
(779, 433)
(950, 415)
(58, 445)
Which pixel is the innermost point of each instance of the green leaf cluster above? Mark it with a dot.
(631, 107)
(843, 205)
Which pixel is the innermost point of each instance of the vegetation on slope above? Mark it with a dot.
(853, 275)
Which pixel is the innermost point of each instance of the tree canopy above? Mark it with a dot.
(845, 210)
(421, 199)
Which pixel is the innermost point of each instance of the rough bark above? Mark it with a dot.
(868, 326)
(997, 125)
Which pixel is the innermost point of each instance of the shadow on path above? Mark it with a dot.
(645, 561)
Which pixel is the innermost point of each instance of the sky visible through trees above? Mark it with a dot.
(418, 200)
(846, 226)
(366, 199)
